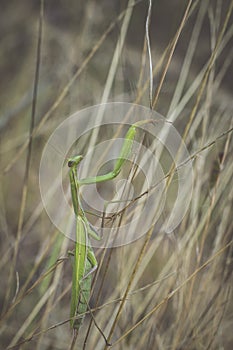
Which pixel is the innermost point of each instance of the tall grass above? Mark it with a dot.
(163, 291)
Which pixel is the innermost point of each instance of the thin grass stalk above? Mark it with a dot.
(29, 155)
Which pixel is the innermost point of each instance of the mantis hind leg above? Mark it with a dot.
(85, 294)
(92, 262)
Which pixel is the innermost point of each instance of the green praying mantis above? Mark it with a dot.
(84, 258)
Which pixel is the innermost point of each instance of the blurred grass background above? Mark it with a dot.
(187, 303)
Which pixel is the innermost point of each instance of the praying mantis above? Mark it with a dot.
(84, 258)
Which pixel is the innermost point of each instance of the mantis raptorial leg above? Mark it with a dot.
(84, 258)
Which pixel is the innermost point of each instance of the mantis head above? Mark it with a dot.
(74, 161)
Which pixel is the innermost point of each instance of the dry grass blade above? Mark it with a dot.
(29, 155)
(171, 294)
(162, 291)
